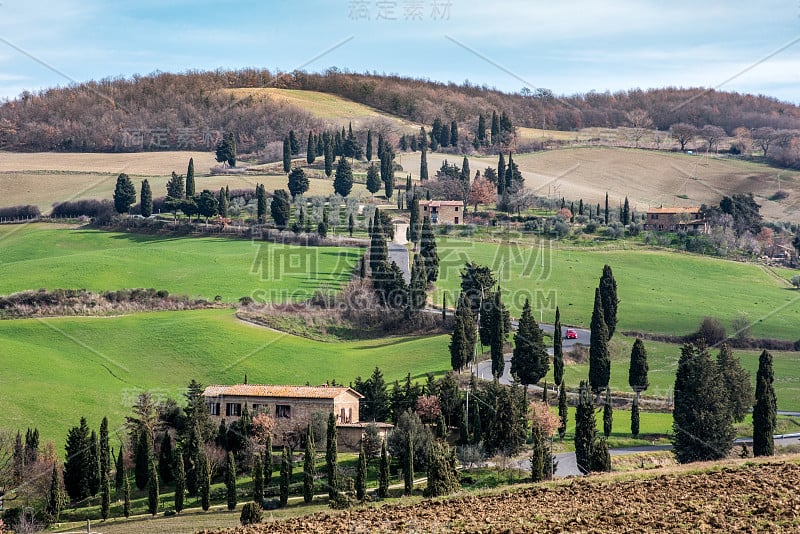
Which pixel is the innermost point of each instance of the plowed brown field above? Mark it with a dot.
(738, 498)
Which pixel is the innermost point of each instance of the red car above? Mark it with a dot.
(571, 334)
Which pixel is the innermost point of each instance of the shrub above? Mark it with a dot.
(711, 330)
(251, 514)
(20, 212)
(590, 227)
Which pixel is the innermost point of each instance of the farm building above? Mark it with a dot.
(443, 211)
(675, 219)
(292, 407)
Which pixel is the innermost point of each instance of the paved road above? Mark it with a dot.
(399, 255)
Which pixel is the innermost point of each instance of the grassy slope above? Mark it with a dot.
(40, 255)
(61, 369)
(658, 291)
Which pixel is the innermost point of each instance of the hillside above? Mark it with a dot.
(744, 497)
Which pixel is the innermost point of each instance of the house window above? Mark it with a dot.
(456, 220)
(341, 416)
(283, 411)
(213, 408)
(256, 407)
(233, 409)
(456, 208)
(425, 208)
(349, 415)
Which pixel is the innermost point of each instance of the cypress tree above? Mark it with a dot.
(311, 148)
(701, 418)
(329, 157)
(119, 474)
(608, 295)
(143, 459)
(495, 128)
(331, 458)
(453, 134)
(258, 480)
(737, 383)
(605, 219)
(223, 203)
(294, 144)
(286, 475)
(417, 286)
(105, 495)
(626, 212)
(423, 161)
(126, 496)
(268, 461)
(599, 360)
(637, 372)
(261, 203)
(501, 174)
(635, 417)
(585, 429)
(309, 467)
(765, 409)
(361, 475)
(537, 454)
(152, 490)
(190, 187)
(287, 155)
(124, 194)
(383, 472)
(180, 482)
(497, 332)
(458, 343)
(369, 145)
(608, 414)
(408, 466)
(427, 250)
(93, 474)
(230, 481)
(351, 224)
(146, 199)
(165, 458)
(204, 482)
(414, 227)
(373, 179)
(76, 461)
(54, 496)
(191, 461)
(343, 183)
(562, 410)
(529, 360)
(558, 350)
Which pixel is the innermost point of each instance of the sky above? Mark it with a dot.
(567, 46)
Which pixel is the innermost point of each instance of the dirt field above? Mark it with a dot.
(648, 178)
(740, 497)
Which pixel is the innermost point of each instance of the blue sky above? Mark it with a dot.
(568, 46)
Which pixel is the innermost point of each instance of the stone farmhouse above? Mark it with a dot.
(675, 219)
(292, 408)
(443, 211)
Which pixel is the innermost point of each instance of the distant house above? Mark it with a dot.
(675, 219)
(443, 211)
(292, 407)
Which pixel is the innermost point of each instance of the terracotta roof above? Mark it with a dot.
(691, 209)
(436, 203)
(262, 390)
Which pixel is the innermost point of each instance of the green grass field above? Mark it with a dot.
(40, 255)
(58, 370)
(659, 291)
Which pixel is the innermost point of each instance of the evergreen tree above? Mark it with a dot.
(464, 315)
(635, 418)
(230, 481)
(126, 496)
(226, 150)
(737, 383)
(529, 361)
(222, 201)
(204, 482)
(626, 213)
(585, 429)
(453, 134)
(383, 472)
(501, 172)
(369, 145)
(637, 372)
(458, 343)
(361, 474)
(387, 172)
(495, 129)
(444, 135)
(599, 359)
(207, 204)
(408, 466)
(766, 408)
(94, 465)
(146, 201)
(496, 327)
(287, 154)
(280, 207)
(261, 202)
(286, 476)
(701, 419)
(119, 474)
(378, 251)
(309, 467)
(343, 183)
(152, 490)
(427, 249)
(331, 458)
(414, 226)
(55, 497)
(608, 414)
(329, 157)
(373, 179)
(351, 224)
(298, 182)
(608, 295)
(558, 350)
(180, 482)
(537, 454)
(268, 461)
(175, 188)
(105, 495)
(124, 194)
(417, 296)
(605, 219)
(423, 162)
(601, 459)
(294, 144)
(143, 459)
(311, 148)
(258, 479)
(190, 186)
(32, 445)
(562, 410)
(165, 459)
(480, 134)
(442, 474)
